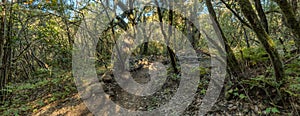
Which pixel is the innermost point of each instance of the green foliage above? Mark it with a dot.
(23, 97)
(154, 48)
(175, 76)
(292, 86)
(203, 70)
(261, 81)
(253, 55)
(41, 73)
(272, 110)
(235, 93)
(293, 68)
(203, 91)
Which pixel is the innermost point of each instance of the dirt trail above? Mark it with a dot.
(74, 106)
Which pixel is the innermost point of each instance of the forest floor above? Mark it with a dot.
(59, 97)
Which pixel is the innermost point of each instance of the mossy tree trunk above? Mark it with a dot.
(261, 15)
(290, 16)
(263, 37)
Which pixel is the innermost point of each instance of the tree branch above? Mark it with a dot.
(236, 15)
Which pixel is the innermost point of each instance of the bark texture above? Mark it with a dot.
(263, 37)
(291, 20)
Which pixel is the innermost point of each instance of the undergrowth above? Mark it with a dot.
(27, 97)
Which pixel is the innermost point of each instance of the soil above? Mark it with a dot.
(74, 105)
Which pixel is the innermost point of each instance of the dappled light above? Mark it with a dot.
(149, 57)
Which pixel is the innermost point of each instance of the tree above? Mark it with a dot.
(2, 40)
(5, 45)
(234, 66)
(167, 39)
(263, 37)
(290, 16)
(261, 15)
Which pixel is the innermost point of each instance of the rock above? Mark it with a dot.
(232, 108)
(140, 108)
(107, 76)
(111, 93)
(246, 110)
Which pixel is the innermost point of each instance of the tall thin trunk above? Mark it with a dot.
(2, 42)
(145, 46)
(246, 37)
(171, 53)
(65, 20)
(263, 37)
(234, 66)
(262, 15)
(6, 58)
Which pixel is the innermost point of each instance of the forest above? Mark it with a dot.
(150, 57)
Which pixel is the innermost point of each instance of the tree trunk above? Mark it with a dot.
(263, 37)
(170, 52)
(145, 45)
(2, 41)
(295, 5)
(6, 58)
(262, 15)
(291, 20)
(234, 66)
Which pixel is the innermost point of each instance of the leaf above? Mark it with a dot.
(16, 113)
(268, 110)
(35, 110)
(236, 94)
(275, 110)
(242, 96)
(8, 90)
(236, 89)
(230, 91)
